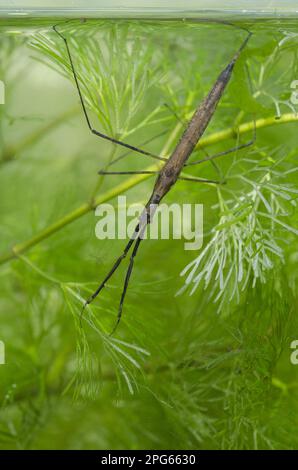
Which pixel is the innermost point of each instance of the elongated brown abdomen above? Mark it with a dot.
(194, 131)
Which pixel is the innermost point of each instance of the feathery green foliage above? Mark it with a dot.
(211, 370)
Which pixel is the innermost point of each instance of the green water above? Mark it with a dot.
(208, 371)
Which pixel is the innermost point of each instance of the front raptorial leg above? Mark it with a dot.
(226, 152)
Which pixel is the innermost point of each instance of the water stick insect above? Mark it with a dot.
(169, 173)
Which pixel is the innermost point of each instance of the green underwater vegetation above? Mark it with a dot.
(210, 370)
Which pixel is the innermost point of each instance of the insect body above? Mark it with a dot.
(168, 175)
(170, 172)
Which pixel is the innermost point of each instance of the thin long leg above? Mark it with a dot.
(102, 172)
(116, 160)
(175, 114)
(94, 131)
(111, 272)
(216, 167)
(199, 180)
(183, 178)
(135, 239)
(126, 282)
(227, 23)
(226, 152)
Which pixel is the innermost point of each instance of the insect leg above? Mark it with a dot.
(126, 282)
(184, 123)
(227, 23)
(226, 152)
(116, 160)
(84, 108)
(111, 272)
(136, 240)
(199, 180)
(102, 172)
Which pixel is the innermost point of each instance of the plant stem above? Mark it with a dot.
(246, 127)
(11, 151)
(214, 138)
